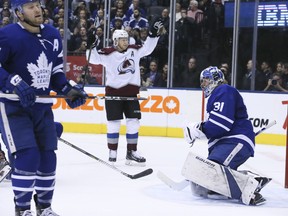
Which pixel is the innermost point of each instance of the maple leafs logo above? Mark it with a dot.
(41, 72)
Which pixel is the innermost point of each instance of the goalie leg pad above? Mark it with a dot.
(218, 178)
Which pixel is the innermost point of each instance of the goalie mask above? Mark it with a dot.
(119, 34)
(210, 78)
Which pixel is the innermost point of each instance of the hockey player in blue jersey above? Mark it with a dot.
(231, 139)
(31, 63)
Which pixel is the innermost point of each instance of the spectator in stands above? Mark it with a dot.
(119, 14)
(178, 11)
(59, 5)
(130, 32)
(120, 4)
(164, 76)
(153, 77)
(137, 20)
(99, 19)
(216, 33)
(132, 7)
(284, 74)
(279, 67)
(184, 35)
(263, 76)
(276, 83)
(81, 50)
(224, 67)
(60, 24)
(77, 38)
(246, 79)
(117, 23)
(161, 51)
(190, 77)
(47, 16)
(100, 34)
(6, 5)
(143, 35)
(6, 13)
(195, 13)
(5, 21)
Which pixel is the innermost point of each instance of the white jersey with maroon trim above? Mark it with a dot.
(122, 68)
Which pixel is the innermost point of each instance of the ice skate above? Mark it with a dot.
(5, 168)
(134, 159)
(19, 212)
(112, 156)
(263, 181)
(258, 199)
(42, 210)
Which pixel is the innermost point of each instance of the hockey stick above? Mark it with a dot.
(184, 183)
(135, 176)
(15, 96)
(178, 186)
(266, 127)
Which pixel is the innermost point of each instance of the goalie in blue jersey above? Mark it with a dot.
(31, 64)
(231, 139)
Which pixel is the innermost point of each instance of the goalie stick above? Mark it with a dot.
(15, 96)
(135, 176)
(184, 183)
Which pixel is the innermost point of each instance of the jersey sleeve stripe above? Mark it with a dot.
(222, 116)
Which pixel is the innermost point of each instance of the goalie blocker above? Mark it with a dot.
(223, 180)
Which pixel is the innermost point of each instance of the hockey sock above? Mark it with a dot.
(45, 180)
(24, 175)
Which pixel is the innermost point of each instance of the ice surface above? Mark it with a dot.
(86, 187)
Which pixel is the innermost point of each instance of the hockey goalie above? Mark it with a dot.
(231, 142)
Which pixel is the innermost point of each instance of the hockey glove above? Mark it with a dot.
(156, 29)
(15, 84)
(75, 93)
(192, 132)
(92, 39)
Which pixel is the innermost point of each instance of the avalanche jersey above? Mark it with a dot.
(122, 68)
(228, 119)
(37, 58)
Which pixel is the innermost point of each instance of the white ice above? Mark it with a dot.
(86, 187)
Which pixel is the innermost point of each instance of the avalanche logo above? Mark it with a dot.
(41, 72)
(128, 66)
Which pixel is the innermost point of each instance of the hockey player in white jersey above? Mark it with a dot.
(123, 79)
(231, 139)
(31, 63)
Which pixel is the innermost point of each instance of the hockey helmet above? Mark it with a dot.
(119, 33)
(214, 76)
(17, 4)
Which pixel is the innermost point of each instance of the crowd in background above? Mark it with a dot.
(200, 38)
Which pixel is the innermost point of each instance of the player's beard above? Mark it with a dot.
(35, 22)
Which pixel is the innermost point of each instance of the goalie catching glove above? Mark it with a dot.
(192, 132)
(157, 29)
(75, 93)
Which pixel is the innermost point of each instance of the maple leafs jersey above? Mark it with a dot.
(228, 118)
(122, 68)
(37, 58)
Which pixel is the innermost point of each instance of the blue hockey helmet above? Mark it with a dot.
(17, 4)
(214, 76)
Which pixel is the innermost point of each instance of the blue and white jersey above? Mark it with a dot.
(228, 119)
(36, 58)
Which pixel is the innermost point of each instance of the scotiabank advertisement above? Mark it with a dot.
(167, 111)
(76, 66)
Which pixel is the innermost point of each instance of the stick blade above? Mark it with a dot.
(178, 186)
(142, 174)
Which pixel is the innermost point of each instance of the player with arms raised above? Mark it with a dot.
(231, 141)
(123, 79)
(31, 63)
